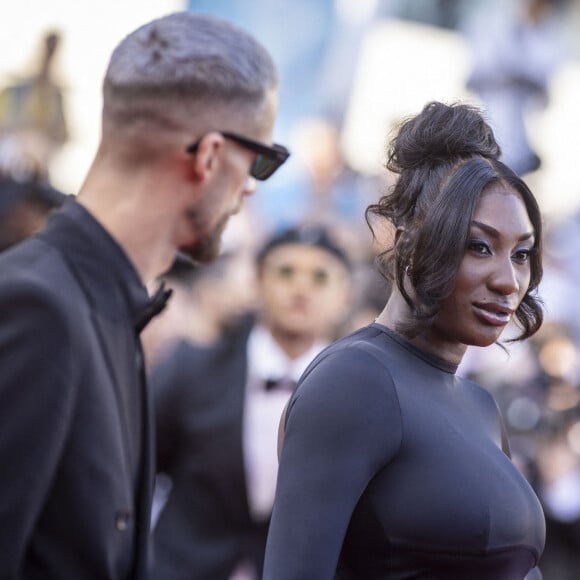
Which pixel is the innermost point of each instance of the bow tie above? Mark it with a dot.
(281, 384)
(157, 303)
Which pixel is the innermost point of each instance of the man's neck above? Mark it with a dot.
(135, 229)
(292, 343)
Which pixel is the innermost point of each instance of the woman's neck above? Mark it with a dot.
(397, 312)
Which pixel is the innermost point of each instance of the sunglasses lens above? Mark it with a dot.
(263, 167)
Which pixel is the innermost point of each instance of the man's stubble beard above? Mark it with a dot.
(206, 249)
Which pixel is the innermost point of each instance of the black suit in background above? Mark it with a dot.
(206, 527)
(74, 440)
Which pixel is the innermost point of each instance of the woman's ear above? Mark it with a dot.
(399, 236)
(400, 231)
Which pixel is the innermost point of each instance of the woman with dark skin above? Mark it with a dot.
(391, 466)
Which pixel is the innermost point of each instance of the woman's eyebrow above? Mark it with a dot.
(490, 230)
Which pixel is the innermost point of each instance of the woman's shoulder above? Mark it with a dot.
(353, 366)
(348, 390)
(363, 345)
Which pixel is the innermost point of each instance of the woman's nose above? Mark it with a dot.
(504, 278)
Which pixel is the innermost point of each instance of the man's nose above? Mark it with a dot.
(250, 186)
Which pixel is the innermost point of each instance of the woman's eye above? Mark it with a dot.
(478, 247)
(522, 256)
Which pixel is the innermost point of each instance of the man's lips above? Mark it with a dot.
(493, 313)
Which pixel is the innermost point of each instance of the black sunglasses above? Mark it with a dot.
(269, 159)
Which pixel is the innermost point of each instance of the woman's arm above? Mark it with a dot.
(342, 426)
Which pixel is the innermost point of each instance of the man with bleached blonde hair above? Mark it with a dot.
(188, 112)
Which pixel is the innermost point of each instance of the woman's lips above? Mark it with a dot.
(493, 314)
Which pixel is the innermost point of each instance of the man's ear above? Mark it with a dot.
(207, 159)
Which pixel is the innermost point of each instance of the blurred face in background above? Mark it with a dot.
(303, 290)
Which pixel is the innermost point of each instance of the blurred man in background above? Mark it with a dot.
(218, 410)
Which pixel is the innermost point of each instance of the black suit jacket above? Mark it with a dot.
(206, 526)
(74, 442)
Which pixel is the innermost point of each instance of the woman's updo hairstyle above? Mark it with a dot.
(445, 157)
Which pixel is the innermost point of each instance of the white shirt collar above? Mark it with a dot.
(266, 360)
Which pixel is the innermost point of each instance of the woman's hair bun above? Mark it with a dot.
(441, 134)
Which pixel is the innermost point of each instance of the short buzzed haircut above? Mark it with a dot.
(181, 60)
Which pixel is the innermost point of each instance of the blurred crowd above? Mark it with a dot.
(537, 384)
(32, 130)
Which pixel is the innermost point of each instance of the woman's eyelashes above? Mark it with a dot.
(522, 255)
(479, 247)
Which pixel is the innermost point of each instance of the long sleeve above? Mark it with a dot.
(342, 426)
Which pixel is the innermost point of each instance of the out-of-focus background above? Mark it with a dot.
(350, 70)
(360, 64)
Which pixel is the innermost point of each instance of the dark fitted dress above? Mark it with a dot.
(392, 469)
